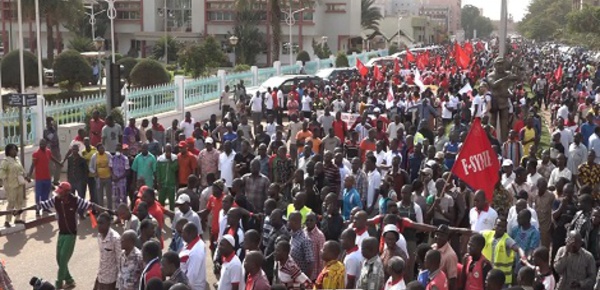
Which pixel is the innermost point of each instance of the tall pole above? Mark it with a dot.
(93, 22)
(291, 24)
(166, 15)
(22, 76)
(39, 48)
(503, 22)
(112, 14)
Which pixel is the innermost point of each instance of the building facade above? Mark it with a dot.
(443, 12)
(141, 23)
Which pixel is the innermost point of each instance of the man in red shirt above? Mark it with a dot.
(214, 206)
(340, 128)
(41, 163)
(96, 125)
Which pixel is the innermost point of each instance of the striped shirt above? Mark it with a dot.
(66, 211)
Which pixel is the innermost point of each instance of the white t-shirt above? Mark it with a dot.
(231, 273)
(188, 128)
(563, 112)
(400, 285)
(193, 264)
(392, 129)
(256, 104)
(446, 114)
(305, 103)
(338, 105)
(269, 101)
(373, 181)
(225, 99)
(481, 102)
(226, 167)
(481, 221)
(280, 98)
(353, 264)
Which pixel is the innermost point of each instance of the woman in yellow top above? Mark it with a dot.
(334, 273)
(14, 179)
(527, 136)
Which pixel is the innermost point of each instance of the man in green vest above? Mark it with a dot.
(166, 176)
(499, 247)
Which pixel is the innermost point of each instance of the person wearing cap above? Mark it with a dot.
(66, 206)
(449, 259)
(166, 176)
(391, 239)
(231, 267)
(144, 165)
(208, 161)
(184, 211)
(508, 175)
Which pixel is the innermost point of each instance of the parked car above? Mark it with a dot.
(49, 77)
(332, 74)
(284, 83)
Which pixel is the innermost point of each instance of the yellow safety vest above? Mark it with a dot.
(304, 211)
(502, 260)
(419, 138)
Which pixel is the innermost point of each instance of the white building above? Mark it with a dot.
(398, 7)
(140, 23)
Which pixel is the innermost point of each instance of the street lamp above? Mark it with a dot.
(92, 16)
(233, 40)
(99, 43)
(290, 21)
(166, 13)
(112, 14)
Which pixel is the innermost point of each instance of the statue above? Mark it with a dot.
(500, 81)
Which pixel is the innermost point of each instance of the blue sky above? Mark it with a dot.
(491, 8)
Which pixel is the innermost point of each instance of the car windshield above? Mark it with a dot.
(324, 73)
(273, 82)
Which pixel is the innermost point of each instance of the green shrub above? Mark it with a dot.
(393, 49)
(128, 64)
(68, 95)
(303, 56)
(171, 67)
(81, 44)
(11, 70)
(72, 70)
(148, 72)
(372, 56)
(241, 68)
(46, 63)
(115, 113)
(341, 60)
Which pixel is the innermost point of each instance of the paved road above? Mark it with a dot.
(32, 253)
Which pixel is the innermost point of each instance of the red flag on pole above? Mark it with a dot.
(438, 61)
(377, 75)
(409, 56)
(421, 61)
(477, 163)
(469, 49)
(479, 46)
(396, 66)
(558, 73)
(362, 69)
(462, 59)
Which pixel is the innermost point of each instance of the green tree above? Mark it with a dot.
(250, 39)
(393, 49)
(321, 50)
(81, 44)
(11, 72)
(192, 59)
(80, 24)
(544, 19)
(303, 56)
(472, 20)
(341, 60)
(128, 64)
(158, 51)
(72, 70)
(241, 68)
(276, 28)
(215, 57)
(55, 13)
(149, 72)
(370, 15)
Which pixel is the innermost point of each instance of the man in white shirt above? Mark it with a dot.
(225, 101)
(193, 257)
(392, 129)
(256, 106)
(231, 269)
(566, 135)
(373, 181)
(353, 259)
(226, 163)
(306, 106)
(338, 104)
(187, 125)
(482, 217)
(185, 211)
(563, 112)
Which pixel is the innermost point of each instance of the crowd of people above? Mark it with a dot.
(341, 185)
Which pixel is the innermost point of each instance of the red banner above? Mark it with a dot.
(377, 74)
(477, 163)
(558, 73)
(462, 59)
(409, 56)
(362, 69)
(469, 49)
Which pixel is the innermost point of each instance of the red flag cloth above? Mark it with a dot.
(477, 163)
(421, 61)
(462, 59)
(409, 56)
(93, 219)
(396, 66)
(362, 69)
(558, 73)
(468, 49)
(479, 46)
(438, 61)
(377, 73)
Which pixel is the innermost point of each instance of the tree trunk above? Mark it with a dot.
(49, 39)
(276, 28)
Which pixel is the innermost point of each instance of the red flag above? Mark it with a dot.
(438, 61)
(421, 61)
(93, 219)
(477, 163)
(409, 56)
(396, 66)
(479, 46)
(558, 73)
(462, 59)
(377, 75)
(362, 69)
(468, 49)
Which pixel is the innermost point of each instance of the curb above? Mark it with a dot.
(28, 225)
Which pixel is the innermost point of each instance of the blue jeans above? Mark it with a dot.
(42, 190)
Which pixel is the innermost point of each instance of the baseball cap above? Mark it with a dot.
(427, 171)
(439, 155)
(182, 199)
(507, 162)
(209, 140)
(229, 239)
(182, 144)
(63, 187)
(190, 140)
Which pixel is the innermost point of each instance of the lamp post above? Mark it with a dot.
(92, 16)
(166, 13)
(233, 40)
(112, 14)
(99, 43)
(39, 48)
(290, 21)
(503, 23)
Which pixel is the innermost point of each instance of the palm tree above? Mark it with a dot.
(275, 9)
(55, 13)
(369, 15)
